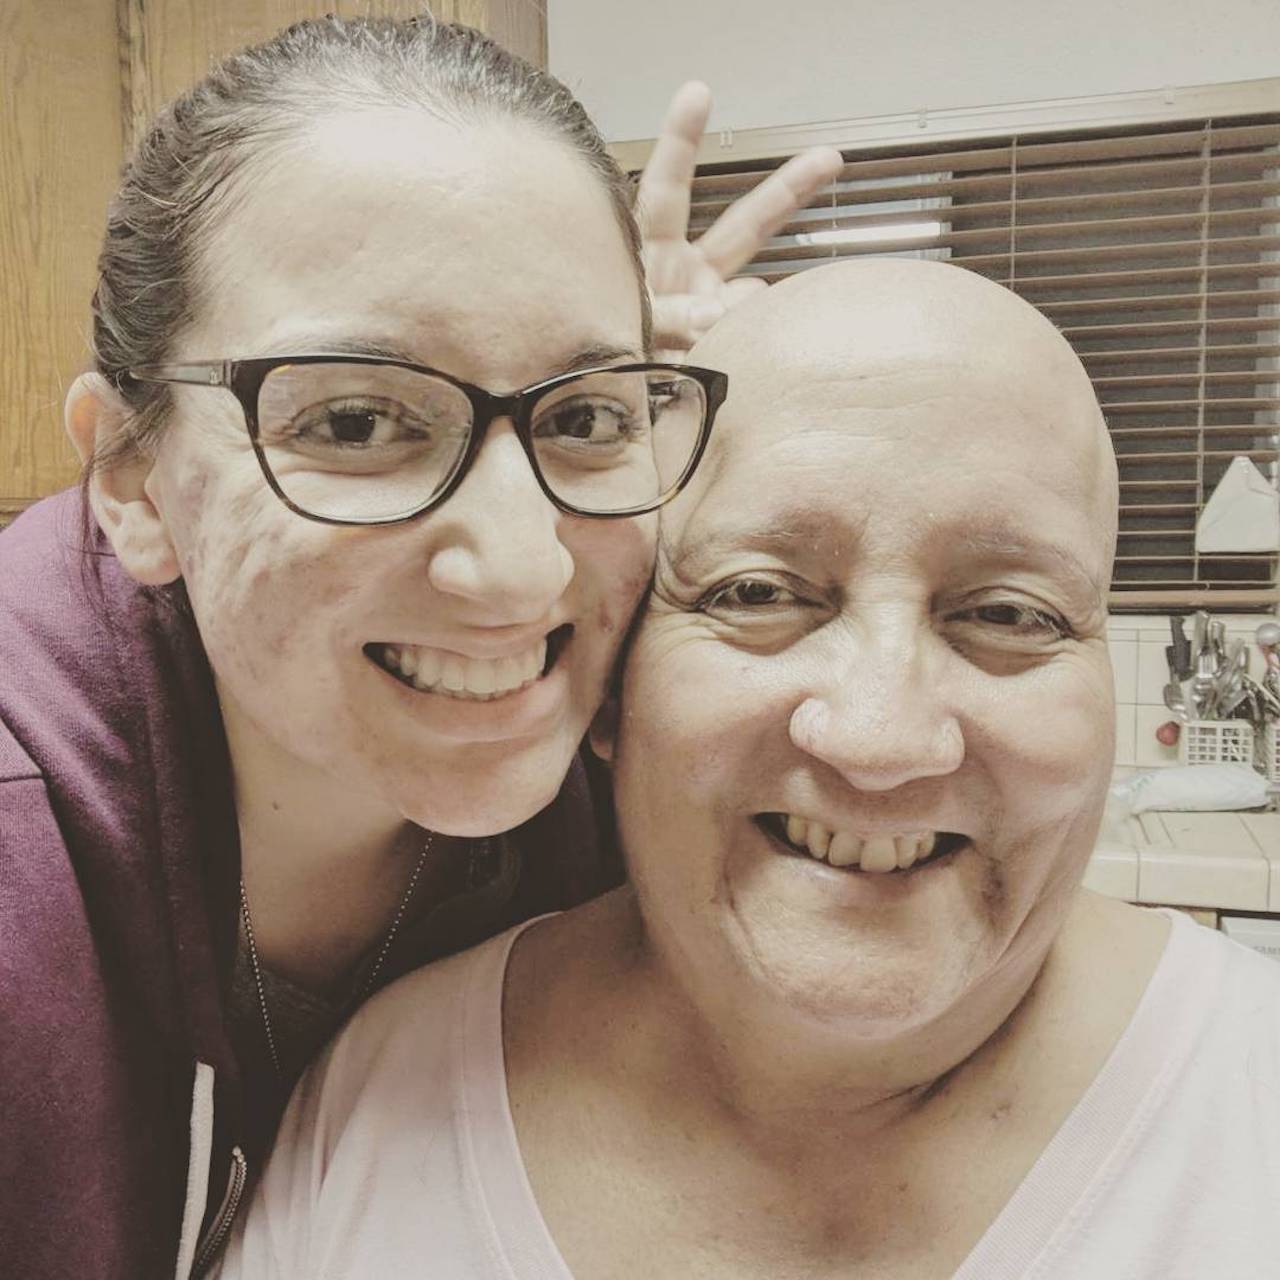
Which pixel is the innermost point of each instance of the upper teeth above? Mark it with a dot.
(460, 677)
(844, 849)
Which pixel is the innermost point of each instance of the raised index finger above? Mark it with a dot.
(667, 181)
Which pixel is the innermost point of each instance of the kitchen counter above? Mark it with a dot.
(1216, 861)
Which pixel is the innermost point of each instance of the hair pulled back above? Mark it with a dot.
(179, 181)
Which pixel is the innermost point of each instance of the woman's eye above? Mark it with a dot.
(357, 424)
(1017, 620)
(587, 422)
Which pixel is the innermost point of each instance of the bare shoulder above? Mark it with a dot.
(560, 947)
(559, 973)
(1107, 935)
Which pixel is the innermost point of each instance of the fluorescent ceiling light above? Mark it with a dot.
(861, 235)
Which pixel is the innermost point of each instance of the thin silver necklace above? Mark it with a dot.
(366, 984)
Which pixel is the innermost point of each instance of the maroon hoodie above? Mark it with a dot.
(119, 873)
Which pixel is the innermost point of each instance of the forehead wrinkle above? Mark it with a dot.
(902, 404)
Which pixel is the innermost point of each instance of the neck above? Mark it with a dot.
(324, 868)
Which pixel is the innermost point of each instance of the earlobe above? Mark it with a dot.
(603, 734)
(94, 412)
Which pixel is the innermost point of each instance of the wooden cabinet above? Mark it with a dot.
(78, 79)
(60, 149)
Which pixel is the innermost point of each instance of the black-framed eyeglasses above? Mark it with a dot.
(349, 439)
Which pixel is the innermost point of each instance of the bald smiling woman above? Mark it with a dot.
(853, 1015)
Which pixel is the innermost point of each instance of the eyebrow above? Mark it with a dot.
(1008, 544)
(588, 357)
(596, 354)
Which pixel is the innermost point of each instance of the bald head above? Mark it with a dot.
(882, 309)
(878, 335)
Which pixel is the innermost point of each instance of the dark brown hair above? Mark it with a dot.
(180, 180)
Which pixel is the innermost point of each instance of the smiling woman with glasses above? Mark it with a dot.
(301, 707)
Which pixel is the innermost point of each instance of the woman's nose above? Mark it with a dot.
(497, 544)
(880, 718)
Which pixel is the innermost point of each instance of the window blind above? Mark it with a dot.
(1155, 250)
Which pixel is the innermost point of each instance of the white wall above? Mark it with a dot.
(782, 62)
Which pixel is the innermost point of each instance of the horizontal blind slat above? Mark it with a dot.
(1120, 381)
(1221, 351)
(1210, 430)
(1030, 286)
(1082, 333)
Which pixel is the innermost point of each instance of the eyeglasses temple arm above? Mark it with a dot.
(205, 374)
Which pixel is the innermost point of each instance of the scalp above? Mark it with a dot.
(877, 309)
(878, 333)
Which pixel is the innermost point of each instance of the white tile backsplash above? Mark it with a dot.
(1153, 673)
(1145, 623)
(1124, 669)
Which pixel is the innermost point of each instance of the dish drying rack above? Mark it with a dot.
(1224, 716)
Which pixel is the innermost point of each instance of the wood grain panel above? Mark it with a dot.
(60, 149)
(521, 26)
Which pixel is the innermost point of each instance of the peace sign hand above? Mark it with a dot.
(690, 282)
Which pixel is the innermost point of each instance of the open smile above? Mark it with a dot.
(877, 854)
(473, 679)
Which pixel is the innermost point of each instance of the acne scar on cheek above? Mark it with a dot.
(336, 592)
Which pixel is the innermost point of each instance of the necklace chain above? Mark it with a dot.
(366, 985)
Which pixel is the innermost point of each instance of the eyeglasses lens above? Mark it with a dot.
(360, 441)
(373, 442)
(616, 440)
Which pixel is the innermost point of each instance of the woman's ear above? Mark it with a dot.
(603, 734)
(94, 412)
